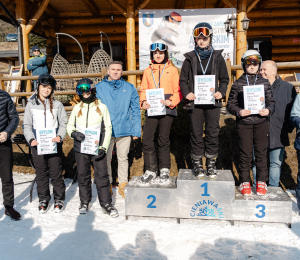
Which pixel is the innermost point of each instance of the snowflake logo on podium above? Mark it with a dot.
(210, 209)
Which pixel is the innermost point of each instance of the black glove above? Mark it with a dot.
(78, 136)
(101, 154)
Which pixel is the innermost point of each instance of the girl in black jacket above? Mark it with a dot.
(204, 60)
(253, 129)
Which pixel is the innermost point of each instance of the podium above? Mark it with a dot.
(187, 197)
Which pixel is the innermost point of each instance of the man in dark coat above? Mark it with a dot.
(284, 95)
(9, 121)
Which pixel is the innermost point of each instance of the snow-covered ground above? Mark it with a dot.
(67, 235)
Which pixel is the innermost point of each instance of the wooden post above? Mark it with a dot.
(103, 72)
(241, 41)
(130, 34)
(1, 82)
(228, 65)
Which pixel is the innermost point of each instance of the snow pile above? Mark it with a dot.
(67, 235)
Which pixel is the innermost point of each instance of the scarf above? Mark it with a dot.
(204, 53)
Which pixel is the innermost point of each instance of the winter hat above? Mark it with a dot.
(35, 48)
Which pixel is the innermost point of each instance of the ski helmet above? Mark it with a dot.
(161, 46)
(205, 29)
(173, 17)
(45, 79)
(84, 85)
(251, 57)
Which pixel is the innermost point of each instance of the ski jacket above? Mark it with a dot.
(189, 70)
(38, 65)
(39, 116)
(90, 118)
(236, 100)
(169, 81)
(122, 101)
(295, 120)
(9, 118)
(284, 95)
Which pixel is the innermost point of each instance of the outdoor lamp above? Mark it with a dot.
(245, 23)
(227, 27)
(232, 21)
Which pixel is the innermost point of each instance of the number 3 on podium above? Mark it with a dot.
(262, 211)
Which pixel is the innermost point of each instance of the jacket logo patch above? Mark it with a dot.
(124, 90)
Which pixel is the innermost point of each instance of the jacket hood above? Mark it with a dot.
(191, 54)
(113, 83)
(41, 55)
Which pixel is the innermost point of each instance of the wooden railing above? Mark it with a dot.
(230, 68)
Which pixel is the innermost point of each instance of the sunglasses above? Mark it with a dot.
(46, 81)
(83, 88)
(253, 59)
(158, 46)
(205, 32)
(36, 50)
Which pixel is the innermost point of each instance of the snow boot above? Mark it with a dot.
(44, 206)
(121, 189)
(58, 206)
(164, 174)
(245, 189)
(83, 208)
(211, 167)
(148, 176)
(12, 213)
(198, 167)
(110, 210)
(261, 188)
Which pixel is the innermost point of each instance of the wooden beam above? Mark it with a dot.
(262, 4)
(37, 16)
(282, 57)
(141, 6)
(180, 4)
(270, 13)
(51, 11)
(121, 9)
(92, 20)
(271, 22)
(32, 9)
(273, 31)
(219, 4)
(227, 2)
(251, 5)
(285, 49)
(92, 7)
(286, 41)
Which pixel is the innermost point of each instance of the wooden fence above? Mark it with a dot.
(230, 68)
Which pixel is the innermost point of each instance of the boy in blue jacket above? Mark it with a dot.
(123, 103)
(295, 120)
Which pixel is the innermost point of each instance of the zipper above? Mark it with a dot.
(87, 116)
(45, 112)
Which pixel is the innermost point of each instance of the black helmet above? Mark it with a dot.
(84, 81)
(45, 79)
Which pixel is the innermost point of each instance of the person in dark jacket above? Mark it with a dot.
(253, 129)
(295, 120)
(9, 121)
(204, 60)
(37, 64)
(284, 95)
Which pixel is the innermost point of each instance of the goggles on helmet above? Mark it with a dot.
(205, 32)
(253, 59)
(158, 46)
(45, 81)
(83, 88)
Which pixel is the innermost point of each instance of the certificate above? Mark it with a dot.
(90, 145)
(204, 89)
(254, 98)
(44, 137)
(154, 98)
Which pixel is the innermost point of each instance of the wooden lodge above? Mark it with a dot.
(274, 26)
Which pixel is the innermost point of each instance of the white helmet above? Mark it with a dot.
(253, 56)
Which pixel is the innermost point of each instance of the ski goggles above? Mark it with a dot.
(158, 46)
(253, 59)
(205, 32)
(45, 81)
(83, 88)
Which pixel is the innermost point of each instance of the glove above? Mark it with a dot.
(78, 136)
(101, 155)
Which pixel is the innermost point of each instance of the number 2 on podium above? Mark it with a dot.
(151, 206)
(204, 185)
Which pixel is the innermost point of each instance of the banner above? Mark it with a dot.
(175, 28)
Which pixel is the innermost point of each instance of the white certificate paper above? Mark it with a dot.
(254, 98)
(90, 145)
(154, 98)
(204, 89)
(44, 137)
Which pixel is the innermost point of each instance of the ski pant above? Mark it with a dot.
(253, 136)
(209, 145)
(6, 164)
(123, 146)
(150, 159)
(83, 162)
(49, 165)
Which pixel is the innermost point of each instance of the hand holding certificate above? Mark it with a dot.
(46, 144)
(90, 145)
(154, 98)
(254, 98)
(204, 89)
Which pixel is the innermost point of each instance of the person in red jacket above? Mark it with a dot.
(161, 75)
